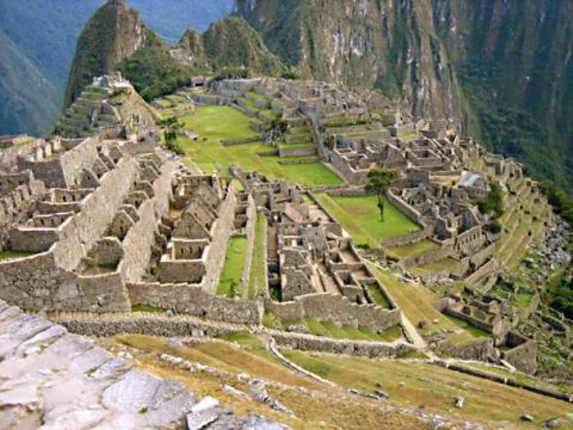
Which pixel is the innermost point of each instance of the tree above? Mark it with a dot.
(379, 181)
(171, 128)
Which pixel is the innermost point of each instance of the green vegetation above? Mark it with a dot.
(562, 296)
(417, 304)
(378, 296)
(430, 386)
(172, 126)
(231, 73)
(214, 123)
(14, 255)
(231, 42)
(494, 203)
(231, 283)
(153, 71)
(257, 275)
(475, 331)
(561, 201)
(360, 217)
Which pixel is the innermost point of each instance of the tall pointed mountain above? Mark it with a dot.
(114, 33)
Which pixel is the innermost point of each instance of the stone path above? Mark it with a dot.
(53, 380)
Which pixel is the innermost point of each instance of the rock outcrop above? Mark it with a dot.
(51, 379)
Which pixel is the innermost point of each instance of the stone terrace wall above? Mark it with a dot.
(348, 347)
(428, 257)
(486, 270)
(152, 324)
(80, 233)
(481, 350)
(193, 300)
(342, 311)
(36, 283)
(408, 239)
(137, 243)
(337, 309)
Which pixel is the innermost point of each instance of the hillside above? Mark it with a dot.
(56, 25)
(229, 42)
(499, 67)
(513, 62)
(388, 46)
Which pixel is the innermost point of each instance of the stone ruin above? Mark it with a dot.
(312, 265)
(107, 222)
(110, 106)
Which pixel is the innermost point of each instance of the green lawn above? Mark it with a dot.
(431, 387)
(378, 297)
(414, 249)
(214, 123)
(257, 274)
(360, 217)
(231, 284)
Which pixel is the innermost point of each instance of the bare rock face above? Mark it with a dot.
(392, 48)
(54, 380)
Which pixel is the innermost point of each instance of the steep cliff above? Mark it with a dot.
(386, 44)
(501, 67)
(514, 63)
(229, 42)
(113, 34)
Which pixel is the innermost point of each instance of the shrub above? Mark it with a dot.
(290, 74)
(231, 73)
(495, 227)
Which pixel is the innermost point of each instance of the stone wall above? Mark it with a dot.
(405, 208)
(470, 319)
(482, 350)
(486, 270)
(286, 151)
(224, 226)
(523, 355)
(64, 170)
(351, 176)
(151, 324)
(348, 347)
(193, 300)
(408, 239)
(79, 234)
(37, 283)
(33, 239)
(250, 230)
(428, 257)
(137, 243)
(338, 309)
(210, 100)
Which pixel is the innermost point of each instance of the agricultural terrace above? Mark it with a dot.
(215, 123)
